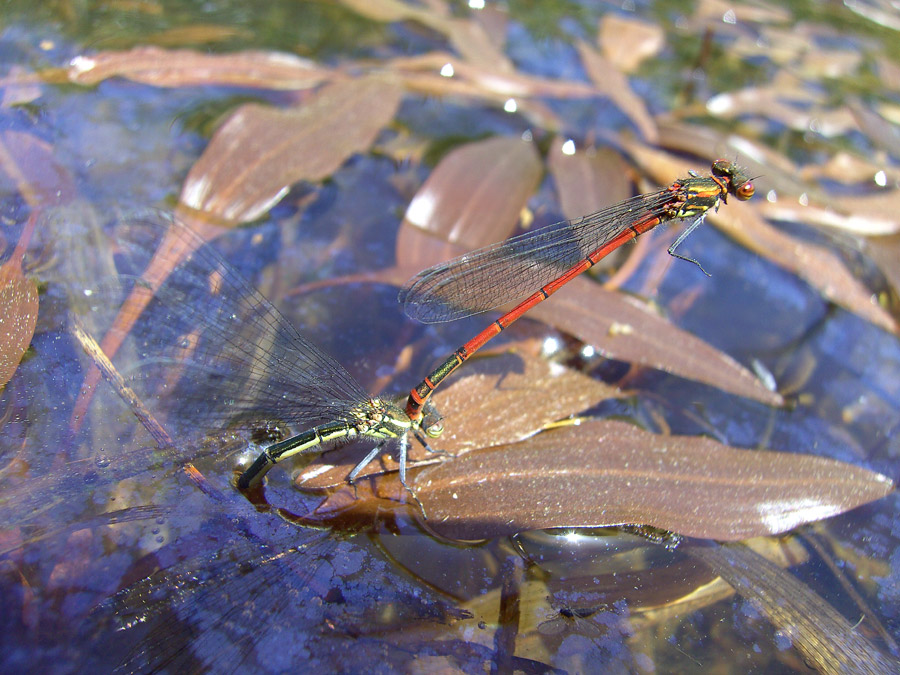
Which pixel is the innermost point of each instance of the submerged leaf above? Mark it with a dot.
(588, 180)
(260, 151)
(622, 329)
(188, 68)
(611, 473)
(612, 83)
(627, 42)
(18, 308)
(473, 198)
(30, 163)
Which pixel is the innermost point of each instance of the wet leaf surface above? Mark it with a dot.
(188, 68)
(472, 198)
(18, 308)
(260, 151)
(609, 473)
(620, 328)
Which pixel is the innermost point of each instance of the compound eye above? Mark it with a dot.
(722, 167)
(745, 191)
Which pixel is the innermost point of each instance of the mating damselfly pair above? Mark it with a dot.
(239, 361)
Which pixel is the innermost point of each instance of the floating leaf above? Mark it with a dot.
(188, 68)
(472, 198)
(260, 151)
(30, 163)
(422, 73)
(618, 327)
(18, 308)
(610, 473)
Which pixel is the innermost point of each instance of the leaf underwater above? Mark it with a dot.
(187, 68)
(260, 151)
(248, 167)
(473, 198)
(818, 266)
(18, 308)
(825, 638)
(619, 327)
(603, 473)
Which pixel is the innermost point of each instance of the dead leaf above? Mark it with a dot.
(627, 42)
(30, 163)
(18, 308)
(391, 11)
(604, 473)
(189, 68)
(481, 82)
(260, 151)
(589, 180)
(612, 83)
(472, 198)
(621, 329)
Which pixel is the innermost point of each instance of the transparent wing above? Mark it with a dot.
(209, 351)
(512, 269)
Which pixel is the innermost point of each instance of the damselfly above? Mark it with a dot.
(212, 353)
(550, 257)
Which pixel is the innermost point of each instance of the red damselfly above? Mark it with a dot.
(550, 257)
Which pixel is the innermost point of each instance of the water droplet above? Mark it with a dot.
(103, 461)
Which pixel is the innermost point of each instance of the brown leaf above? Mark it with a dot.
(603, 473)
(627, 42)
(494, 403)
(188, 68)
(474, 44)
(622, 329)
(18, 308)
(29, 162)
(473, 198)
(391, 11)
(485, 83)
(260, 151)
(588, 180)
(612, 83)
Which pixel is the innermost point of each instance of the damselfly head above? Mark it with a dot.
(738, 183)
